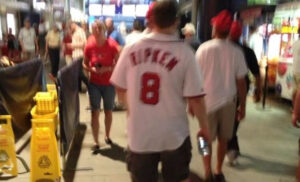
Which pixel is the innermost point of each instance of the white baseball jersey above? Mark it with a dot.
(222, 63)
(158, 72)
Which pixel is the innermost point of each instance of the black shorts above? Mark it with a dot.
(175, 164)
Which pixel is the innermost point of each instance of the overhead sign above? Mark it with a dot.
(262, 2)
(15, 5)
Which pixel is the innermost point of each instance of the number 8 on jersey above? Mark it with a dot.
(150, 88)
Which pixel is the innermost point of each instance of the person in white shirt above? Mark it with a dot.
(224, 69)
(256, 42)
(135, 34)
(157, 76)
(189, 33)
(296, 65)
(77, 45)
(28, 41)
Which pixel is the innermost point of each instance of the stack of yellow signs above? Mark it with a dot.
(45, 164)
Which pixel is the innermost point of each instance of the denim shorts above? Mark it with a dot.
(106, 92)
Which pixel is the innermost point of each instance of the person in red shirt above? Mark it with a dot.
(67, 51)
(100, 56)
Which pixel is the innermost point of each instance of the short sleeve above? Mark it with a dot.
(241, 67)
(118, 77)
(193, 81)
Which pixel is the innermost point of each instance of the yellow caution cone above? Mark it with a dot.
(8, 160)
(44, 152)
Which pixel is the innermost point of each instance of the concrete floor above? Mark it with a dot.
(269, 147)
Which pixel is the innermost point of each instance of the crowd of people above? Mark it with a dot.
(156, 77)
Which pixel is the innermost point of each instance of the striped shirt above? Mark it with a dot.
(78, 38)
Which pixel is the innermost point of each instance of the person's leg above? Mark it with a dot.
(52, 61)
(213, 125)
(108, 122)
(142, 167)
(95, 98)
(298, 172)
(207, 164)
(108, 94)
(95, 126)
(221, 152)
(175, 164)
(56, 61)
(226, 117)
(233, 143)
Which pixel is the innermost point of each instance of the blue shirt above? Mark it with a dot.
(117, 37)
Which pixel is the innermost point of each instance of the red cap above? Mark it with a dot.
(236, 30)
(222, 21)
(150, 11)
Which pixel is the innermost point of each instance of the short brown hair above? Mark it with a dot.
(165, 13)
(222, 34)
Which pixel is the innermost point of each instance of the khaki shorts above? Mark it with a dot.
(221, 121)
(27, 56)
(175, 164)
(296, 82)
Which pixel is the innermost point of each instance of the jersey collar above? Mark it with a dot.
(162, 37)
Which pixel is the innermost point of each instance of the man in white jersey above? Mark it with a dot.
(159, 75)
(224, 69)
(296, 65)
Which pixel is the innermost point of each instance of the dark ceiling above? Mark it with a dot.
(285, 1)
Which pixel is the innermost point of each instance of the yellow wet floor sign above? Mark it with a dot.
(44, 153)
(8, 160)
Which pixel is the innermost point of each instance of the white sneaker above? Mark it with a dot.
(232, 157)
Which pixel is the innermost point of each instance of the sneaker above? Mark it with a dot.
(219, 178)
(118, 107)
(108, 141)
(95, 148)
(232, 156)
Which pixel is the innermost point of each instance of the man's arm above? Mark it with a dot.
(197, 108)
(296, 111)
(86, 66)
(121, 93)
(242, 94)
